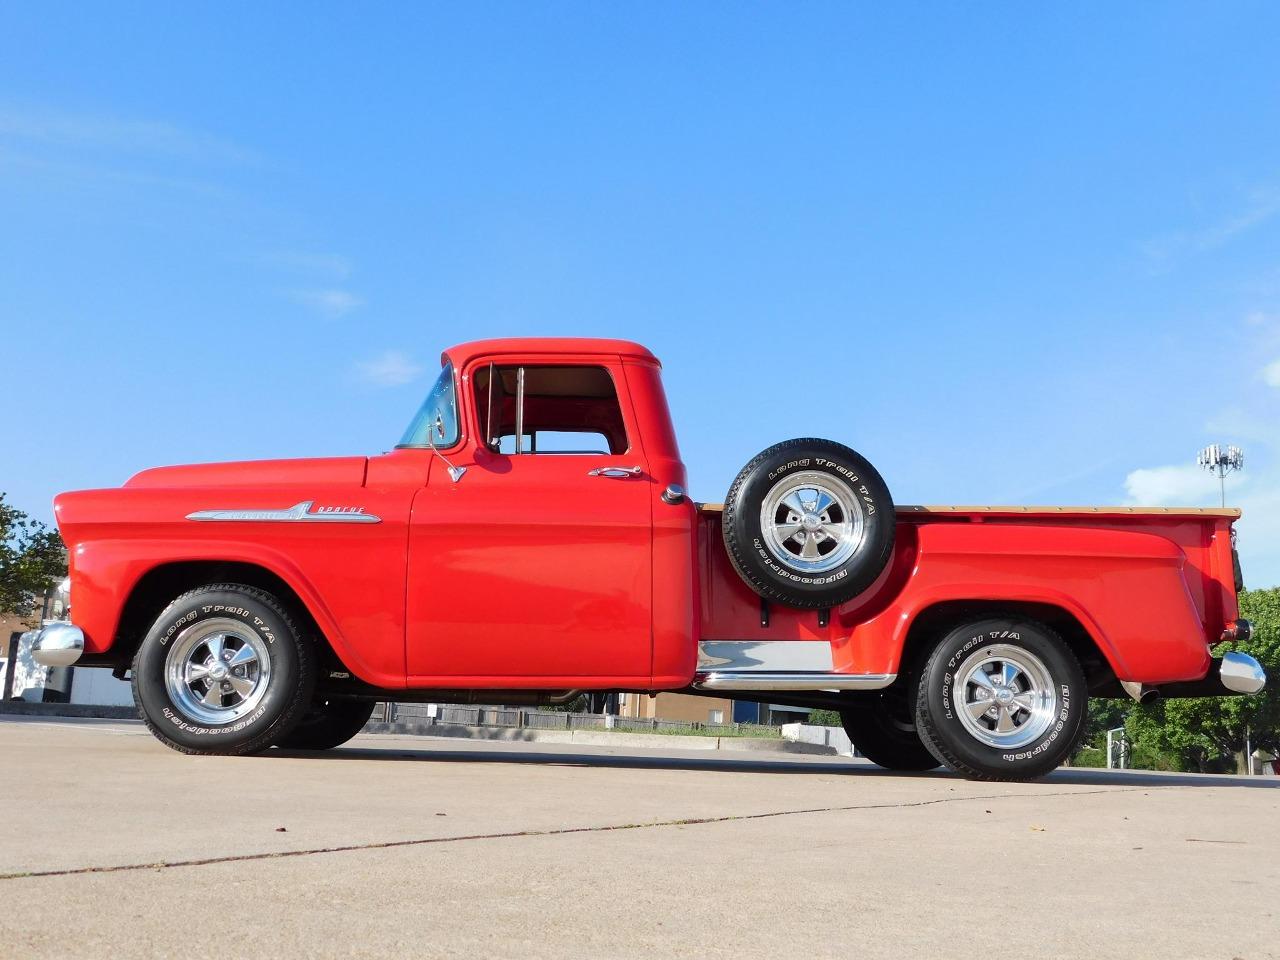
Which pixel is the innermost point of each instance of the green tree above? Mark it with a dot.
(32, 559)
(1209, 734)
(824, 718)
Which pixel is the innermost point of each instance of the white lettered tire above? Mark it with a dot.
(224, 670)
(809, 523)
(1001, 699)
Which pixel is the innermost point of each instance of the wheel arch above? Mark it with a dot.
(933, 621)
(158, 587)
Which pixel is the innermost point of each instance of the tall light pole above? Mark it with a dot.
(1221, 461)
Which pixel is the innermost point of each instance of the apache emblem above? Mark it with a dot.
(305, 512)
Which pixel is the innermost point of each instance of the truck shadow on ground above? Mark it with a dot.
(779, 764)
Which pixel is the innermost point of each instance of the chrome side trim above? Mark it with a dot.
(770, 656)
(298, 512)
(58, 645)
(793, 681)
(1241, 673)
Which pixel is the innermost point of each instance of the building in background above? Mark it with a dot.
(684, 706)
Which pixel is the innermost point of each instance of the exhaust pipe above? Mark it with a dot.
(1139, 692)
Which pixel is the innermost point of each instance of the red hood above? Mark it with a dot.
(334, 471)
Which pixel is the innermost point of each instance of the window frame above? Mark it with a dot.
(620, 395)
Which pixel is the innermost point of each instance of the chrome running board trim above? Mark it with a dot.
(795, 680)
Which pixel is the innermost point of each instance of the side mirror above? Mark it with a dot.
(455, 473)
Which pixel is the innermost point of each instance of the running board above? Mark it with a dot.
(734, 680)
(777, 665)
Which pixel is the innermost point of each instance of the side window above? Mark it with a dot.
(549, 410)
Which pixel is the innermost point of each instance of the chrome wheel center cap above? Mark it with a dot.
(1004, 696)
(811, 522)
(219, 672)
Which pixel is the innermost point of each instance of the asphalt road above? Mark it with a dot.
(116, 847)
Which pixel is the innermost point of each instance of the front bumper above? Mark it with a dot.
(58, 645)
(1230, 676)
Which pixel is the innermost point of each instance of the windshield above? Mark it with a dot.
(440, 405)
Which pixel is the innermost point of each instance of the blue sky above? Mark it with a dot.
(1013, 253)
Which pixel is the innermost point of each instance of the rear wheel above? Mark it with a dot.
(883, 729)
(1001, 699)
(329, 724)
(224, 670)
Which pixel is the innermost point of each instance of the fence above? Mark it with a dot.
(430, 714)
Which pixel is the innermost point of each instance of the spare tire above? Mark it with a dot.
(809, 523)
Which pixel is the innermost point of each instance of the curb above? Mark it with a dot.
(596, 738)
(22, 708)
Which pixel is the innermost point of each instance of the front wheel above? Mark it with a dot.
(224, 670)
(329, 724)
(1001, 699)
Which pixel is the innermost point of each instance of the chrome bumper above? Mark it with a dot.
(58, 645)
(1240, 673)
(1234, 674)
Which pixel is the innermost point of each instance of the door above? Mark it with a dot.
(534, 567)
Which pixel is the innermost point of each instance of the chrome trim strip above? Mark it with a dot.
(793, 681)
(298, 512)
(770, 656)
(58, 645)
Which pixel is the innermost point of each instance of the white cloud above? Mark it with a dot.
(1262, 205)
(332, 302)
(1170, 486)
(120, 134)
(392, 368)
(330, 266)
(1271, 373)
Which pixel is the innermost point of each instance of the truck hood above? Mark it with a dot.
(327, 471)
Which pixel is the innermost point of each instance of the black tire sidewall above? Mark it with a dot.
(329, 724)
(752, 556)
(946, 736)
(878, 737)
(278, 705)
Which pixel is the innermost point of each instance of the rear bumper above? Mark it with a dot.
(1231, 675)
(58, 645)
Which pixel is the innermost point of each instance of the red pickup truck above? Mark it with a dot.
(530, 537)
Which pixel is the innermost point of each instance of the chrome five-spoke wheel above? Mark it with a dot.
(1005, 696)
(217, 671)
(812, 521)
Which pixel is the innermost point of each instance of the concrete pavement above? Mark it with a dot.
(116, 846)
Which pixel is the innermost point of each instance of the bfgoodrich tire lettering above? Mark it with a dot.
(252, 620)
(1001, 699)
(809, 523)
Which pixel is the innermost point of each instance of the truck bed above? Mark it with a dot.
(1152, 587)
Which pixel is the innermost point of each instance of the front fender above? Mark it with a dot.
(105, 574)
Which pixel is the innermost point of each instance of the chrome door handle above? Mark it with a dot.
(615, 473)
